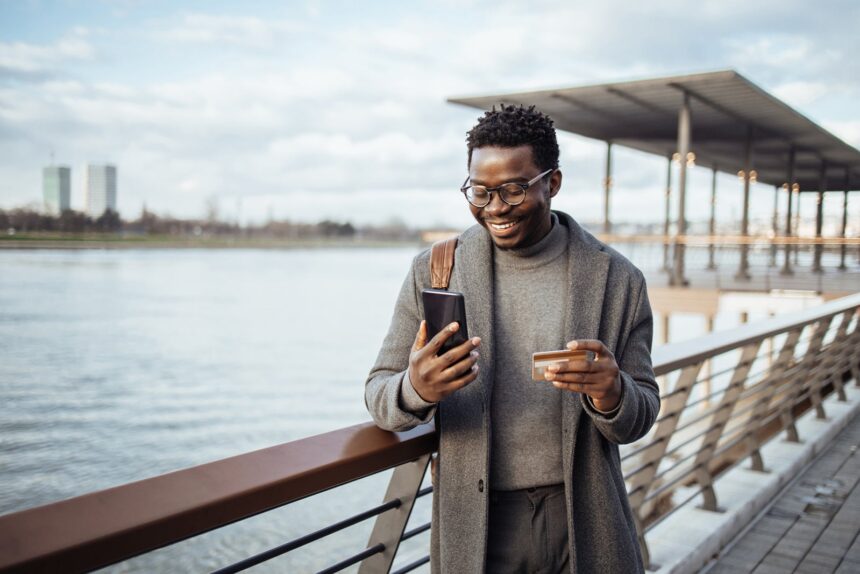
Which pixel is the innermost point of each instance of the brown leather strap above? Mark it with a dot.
(442, 262)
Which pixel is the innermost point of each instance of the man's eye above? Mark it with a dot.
(513, 189)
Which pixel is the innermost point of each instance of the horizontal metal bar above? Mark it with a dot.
(424, 491)
(415, 531)
(412, 565)
(307, 539)
(645, 447)
(355, 559)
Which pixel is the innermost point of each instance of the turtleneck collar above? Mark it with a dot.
(541, 253)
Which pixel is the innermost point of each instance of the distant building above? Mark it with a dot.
(100, 189)
(56, 189)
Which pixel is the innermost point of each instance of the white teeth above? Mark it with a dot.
(503, 225)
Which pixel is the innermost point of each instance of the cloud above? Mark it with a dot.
(22, 59)
(329, 115)
(246, 31)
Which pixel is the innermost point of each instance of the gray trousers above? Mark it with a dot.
(528, 531)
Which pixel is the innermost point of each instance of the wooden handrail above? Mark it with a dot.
(105, 527)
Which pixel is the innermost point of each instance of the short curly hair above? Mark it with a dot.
(513, 126)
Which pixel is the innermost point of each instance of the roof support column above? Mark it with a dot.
(797, 221)
(743, 270)
(684, 129)
(819, 217)
(607, 187)
(774, 226)
(789, 187)
(666, 266)
(712, 224)
(843, 248)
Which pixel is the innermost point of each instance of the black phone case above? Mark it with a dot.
(442, 308)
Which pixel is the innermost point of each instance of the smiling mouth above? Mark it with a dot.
(502, 226)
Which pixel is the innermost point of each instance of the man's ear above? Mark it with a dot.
(555, 183)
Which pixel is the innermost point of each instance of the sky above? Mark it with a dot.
(313, 110)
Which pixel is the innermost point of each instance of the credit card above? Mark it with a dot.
(542, 360)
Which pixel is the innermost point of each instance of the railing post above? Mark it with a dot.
(718, 423)
(672, 407)
(835, 358)
(773, 382)
(817, 375)
(854, 348)
(389, 526)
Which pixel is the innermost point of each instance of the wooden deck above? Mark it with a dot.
(813, 525)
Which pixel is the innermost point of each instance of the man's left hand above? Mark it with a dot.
(599, 379)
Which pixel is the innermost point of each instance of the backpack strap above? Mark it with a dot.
(442, 262)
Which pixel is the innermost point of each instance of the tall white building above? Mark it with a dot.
(100, 189)
(56, 189)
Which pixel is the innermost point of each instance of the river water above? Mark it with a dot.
(124, 364)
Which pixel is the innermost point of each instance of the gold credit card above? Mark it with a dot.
(540, 361)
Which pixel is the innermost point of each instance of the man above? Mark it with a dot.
(528, 473)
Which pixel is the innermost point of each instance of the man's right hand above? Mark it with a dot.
(434, 378)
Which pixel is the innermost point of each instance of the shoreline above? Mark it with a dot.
(149, 242)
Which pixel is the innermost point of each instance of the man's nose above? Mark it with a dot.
(496, 205)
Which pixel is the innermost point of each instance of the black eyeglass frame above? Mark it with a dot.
(498, 189)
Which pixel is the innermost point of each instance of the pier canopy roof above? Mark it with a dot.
(725, 107)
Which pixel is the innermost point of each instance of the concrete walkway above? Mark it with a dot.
(813, 525)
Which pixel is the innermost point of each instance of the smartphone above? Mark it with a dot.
(441, 308)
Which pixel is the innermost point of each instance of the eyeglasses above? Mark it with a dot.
(511, 193)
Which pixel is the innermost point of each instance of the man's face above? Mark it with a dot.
(513, 226)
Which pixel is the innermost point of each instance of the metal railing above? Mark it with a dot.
(752, 396)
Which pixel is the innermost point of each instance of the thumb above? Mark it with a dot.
(420, 337)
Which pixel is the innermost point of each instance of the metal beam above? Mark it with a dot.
(743, 270)
(684, 132)
(774, 226)
(843, 247)
(819, 217)
(607, 187)
(789, 184)
(666, 222)
(712, 224)
(640, 102)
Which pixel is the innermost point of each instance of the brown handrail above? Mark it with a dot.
(105, 527)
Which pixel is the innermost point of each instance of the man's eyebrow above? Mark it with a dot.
(476, 181)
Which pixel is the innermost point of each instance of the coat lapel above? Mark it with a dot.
(473, 276)
(588, 269)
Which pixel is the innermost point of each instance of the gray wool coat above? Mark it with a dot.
(607, 300)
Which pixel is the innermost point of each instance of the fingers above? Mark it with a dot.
(455, 355)
(588, 345)
(436, 342)
(577, 366)
(461, 382)
(461, 366)
(584, 379)
(420, 337)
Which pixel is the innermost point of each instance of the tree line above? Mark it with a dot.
(25, 220)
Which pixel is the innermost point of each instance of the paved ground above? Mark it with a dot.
(813, 526)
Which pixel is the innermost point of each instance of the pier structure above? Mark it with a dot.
(717, 120)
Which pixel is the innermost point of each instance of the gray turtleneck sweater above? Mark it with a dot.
(530, 291)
